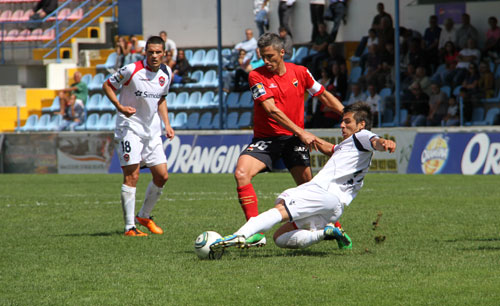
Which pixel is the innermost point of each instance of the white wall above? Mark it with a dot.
(193, 23)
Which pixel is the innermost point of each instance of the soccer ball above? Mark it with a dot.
(202, 245)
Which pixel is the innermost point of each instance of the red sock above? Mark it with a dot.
(248, 200)
(337, 224)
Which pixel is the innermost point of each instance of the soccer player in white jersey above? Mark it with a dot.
(144, 86)
(313, 207)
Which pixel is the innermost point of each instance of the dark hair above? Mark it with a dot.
(362, 112)
(271, 39)
(155, 40)
(163, 32)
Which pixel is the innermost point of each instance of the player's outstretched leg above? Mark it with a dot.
(343, 240)
(228, 241)
(256, 240)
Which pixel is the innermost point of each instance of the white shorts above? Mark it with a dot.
(132, 149)
(310, 206)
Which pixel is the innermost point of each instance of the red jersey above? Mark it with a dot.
(288, 92)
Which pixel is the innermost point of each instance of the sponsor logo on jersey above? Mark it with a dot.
(144, 79)
(146, 94)
(138, 93)
(126, 157)
(162, 81)
(295, 82)
(272, 85)
(435, 155)
(258, 90)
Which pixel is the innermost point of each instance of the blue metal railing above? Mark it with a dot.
(112, 5)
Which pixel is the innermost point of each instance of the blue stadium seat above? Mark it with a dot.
(29, 125)
(102, 124)
(205, 122)
(87, 78)
(91, 122)
(194, 99)
(197, 76)
(207, 100)
(211, 58)
(477, 116)
(106, 105)
(355, 74)
(198, 58)
(216, 99)
(385, 92)
(446, 90)
(233, 99)
(456, 91)
(246, 100)
(171, 99)
(55, 107)
(180, 121)
(492, 100)
(96, 82)
(192, 121)
(110, 62)
(170, 119)
(188, 53)
(388, 118)
(215, 121)
(209, 79)
(55, 123)
(42, 123)
(94, 102)
(245, 120)
(300, 54)
(180, 100)
(112, 123)
(490, 118)
(232, 120)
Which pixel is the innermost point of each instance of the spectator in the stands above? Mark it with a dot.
(471, 80)
(417, 104)
(249, 45)
(182, 68)
(372, 38)
(466, 32)
(288, 43)
(423, 80)
(337, 10)
(334, 56)
(78, 89)
(372, 63)
(136, 49)
(261, 13)
(452, 117)
(466, 103)
(169, 44)
(285, 10)
(450, 60)
(431, 41)
(242, 72)
(492, 44)
(408, 76)
(486, 81)
(43, 8)
(448, 33)
(415, 55)
(317, 10)
(169, 60)
(319, 49)
(438, 101)
(373, 99)
(385, 32)
(466, 56)
(74, 113)
(356, 94)
(319, 116)
(377, 20)
(122, 49)
(338, 81)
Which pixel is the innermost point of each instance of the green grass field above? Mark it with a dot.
(62, 244)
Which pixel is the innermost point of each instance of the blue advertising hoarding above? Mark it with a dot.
(461, 153)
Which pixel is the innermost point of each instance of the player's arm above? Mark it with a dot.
(331, 102)
(381, 144)
(163, 112)
(325, 147)
(277, 114)
(110, 93)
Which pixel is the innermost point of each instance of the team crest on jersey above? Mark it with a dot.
(295, 82)
(258, 90)
(126, 157)
(162, 81)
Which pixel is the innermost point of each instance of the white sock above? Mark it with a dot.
(299, 239)
(261, 223)
(152, 194)
(128, 205)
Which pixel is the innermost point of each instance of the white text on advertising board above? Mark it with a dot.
(487, 155)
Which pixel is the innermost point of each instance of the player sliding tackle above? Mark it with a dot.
(310, 209)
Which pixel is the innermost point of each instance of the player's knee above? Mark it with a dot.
(279, 240)
(241, 176)
(131, 179)
(160, 180)
(286, 242)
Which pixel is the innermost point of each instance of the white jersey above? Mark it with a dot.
(141, 89)
(344, 172)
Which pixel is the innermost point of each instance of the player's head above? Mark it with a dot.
(77, 77)
(272, 50)
(155, 49)
(356, 117)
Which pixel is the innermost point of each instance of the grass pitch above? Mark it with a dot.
(416, 240)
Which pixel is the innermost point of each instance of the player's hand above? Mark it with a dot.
(310, 140)
(169, 132)
(127, 110)
(388, 145)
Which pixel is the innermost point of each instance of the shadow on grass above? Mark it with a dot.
(272, 253)
(473, 239)
(481, 248)
(101, 234)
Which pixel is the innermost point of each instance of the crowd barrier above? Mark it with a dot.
(423, 151)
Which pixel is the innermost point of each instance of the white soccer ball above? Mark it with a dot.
(202, 245)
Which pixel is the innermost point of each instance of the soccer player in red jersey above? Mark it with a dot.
(278, 90)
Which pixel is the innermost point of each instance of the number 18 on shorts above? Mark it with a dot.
(131, 150)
